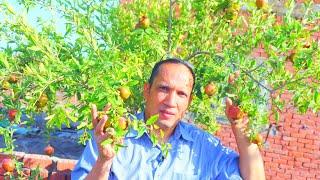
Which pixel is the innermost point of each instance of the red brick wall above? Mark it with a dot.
(50, 167)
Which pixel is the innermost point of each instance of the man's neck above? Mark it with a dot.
(165, 135)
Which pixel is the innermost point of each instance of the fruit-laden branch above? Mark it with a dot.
(47, 85)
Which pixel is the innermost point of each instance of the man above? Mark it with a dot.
(195, 154)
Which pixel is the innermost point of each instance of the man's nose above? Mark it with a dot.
(171, 100)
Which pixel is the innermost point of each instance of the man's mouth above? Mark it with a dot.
(164, 114)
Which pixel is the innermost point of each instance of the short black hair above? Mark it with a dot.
(157, 66)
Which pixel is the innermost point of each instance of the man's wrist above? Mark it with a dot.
(104, 163)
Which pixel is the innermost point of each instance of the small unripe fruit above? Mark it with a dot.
(5, 85)
(237, 74)
(123, 124)
(43, 100)
(231, 79)
(124, 93)
(258, 139)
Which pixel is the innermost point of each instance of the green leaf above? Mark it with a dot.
(152, 119)
(154, 140)
(141, 131)
(3, 59)
(316, 97)
(106, 142)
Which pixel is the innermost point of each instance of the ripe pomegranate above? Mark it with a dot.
(12, 114)
(8, 165)
(124, 92)
(234, 112)
(48, 150)
(210, 89)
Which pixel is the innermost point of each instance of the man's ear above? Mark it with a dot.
(146, 90)
(190, 99)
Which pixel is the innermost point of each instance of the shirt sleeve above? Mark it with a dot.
(224, 161)
(86, 161)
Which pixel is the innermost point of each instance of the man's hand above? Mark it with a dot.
(250, 160)
(232, 113)
(103, 164)
(106, 153)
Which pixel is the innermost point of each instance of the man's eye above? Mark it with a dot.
(182, 94)
(163, 88)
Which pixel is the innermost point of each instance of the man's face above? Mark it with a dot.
(169, 95)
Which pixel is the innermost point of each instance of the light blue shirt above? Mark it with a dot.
(195, 154)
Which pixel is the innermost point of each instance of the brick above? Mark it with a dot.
(280, 161)
(302, 160)
(65, 164)
(267, 159)
(292, 148)
(298, 135)
(288, 138)
(307, 131)
(34, 160)
(311, 146)
(57, 176)
(310, 136)
(299, 116)
(290, 163)
(305, 141)
(309, 155)
(310, 165)
(296, 154)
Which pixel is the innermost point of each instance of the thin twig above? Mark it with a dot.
(260, 65)
(170, 28)
(260, 84)
(286, 83)
(197, 53)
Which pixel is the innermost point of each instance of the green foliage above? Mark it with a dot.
(103, 48)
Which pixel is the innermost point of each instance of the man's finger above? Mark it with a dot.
(107, 107)
(99, 129)
(94, 115)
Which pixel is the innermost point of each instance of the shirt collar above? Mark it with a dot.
(180, 131)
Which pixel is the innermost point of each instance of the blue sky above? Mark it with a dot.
(36, 12)
(32, 16)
